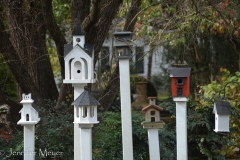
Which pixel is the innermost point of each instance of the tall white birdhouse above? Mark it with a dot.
(222, 116)
(29, 112)
(85, 107)
(152, 115)
(79, 59)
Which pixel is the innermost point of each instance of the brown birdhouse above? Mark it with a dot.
(152, 115)
(180, 81)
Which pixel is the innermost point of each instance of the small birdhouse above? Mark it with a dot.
(29, 112)
(85, 108)
(122, 45)
(79, 59)
(222, 115)
(180, 81)
(152, 115)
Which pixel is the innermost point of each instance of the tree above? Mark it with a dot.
(23, 29)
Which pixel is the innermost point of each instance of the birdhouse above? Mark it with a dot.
(85, 107)
(79, 59)
(152, 115)
(180, 81)
(222, 115)
(29, 112)
(122, 45)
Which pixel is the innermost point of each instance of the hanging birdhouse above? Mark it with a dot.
(222, 116)
(122, 45)
(29, 112)
(79, 59)
(152, 115)
(180, 81)
(85, 107)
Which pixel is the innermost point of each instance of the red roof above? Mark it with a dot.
(152, 106)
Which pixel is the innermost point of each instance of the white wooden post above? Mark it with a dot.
(29, 141)
(78, 89)
(153, 142)
(86, 142)
(126, 114)
(181, 127)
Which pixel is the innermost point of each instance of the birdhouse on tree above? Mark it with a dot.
(29, 112)
(180, 81)
(79, 59)
(152, 115)
(222, 115)
(85, 107)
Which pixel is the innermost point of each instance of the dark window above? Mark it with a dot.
(179, 91)
(152, 112)
(152, 119)
(139, 67)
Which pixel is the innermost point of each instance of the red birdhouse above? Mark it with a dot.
(180, 81)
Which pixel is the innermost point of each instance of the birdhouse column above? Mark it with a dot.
(181, 127)
(153, 123)
(123, 53)
(86, 116)
(78, 90)
(79, 71)
(29, 117)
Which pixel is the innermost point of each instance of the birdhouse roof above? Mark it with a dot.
(88, 49)
(35, 107)
(152, 106)
(85, 99)
(180, 72)
(222, 108)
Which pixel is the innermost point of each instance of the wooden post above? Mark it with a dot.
(29, 142)
(153, 142)
(181, 127)
(126, 114)
(86, 142)
(78, 89)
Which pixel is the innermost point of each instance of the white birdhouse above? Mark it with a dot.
(29, 112)
(152, 115)
(79, 59)
(85, 107)
(222, 115)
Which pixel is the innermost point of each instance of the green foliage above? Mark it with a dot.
(226, 88)
(7, 81)
(54, 133)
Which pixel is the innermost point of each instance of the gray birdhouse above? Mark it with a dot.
(222, 116)
(85, 107)
(122, 45)
(152, 115)
(79, 59)
(29, 112)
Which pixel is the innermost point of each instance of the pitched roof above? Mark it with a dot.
(222, 108)
(85, 99)
(152, 106)
(180, 72)
(88, 49)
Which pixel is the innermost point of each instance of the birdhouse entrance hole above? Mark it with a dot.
(84, 112)
(91, 112)
(27, 117)
(179, 81)
(78, 71)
